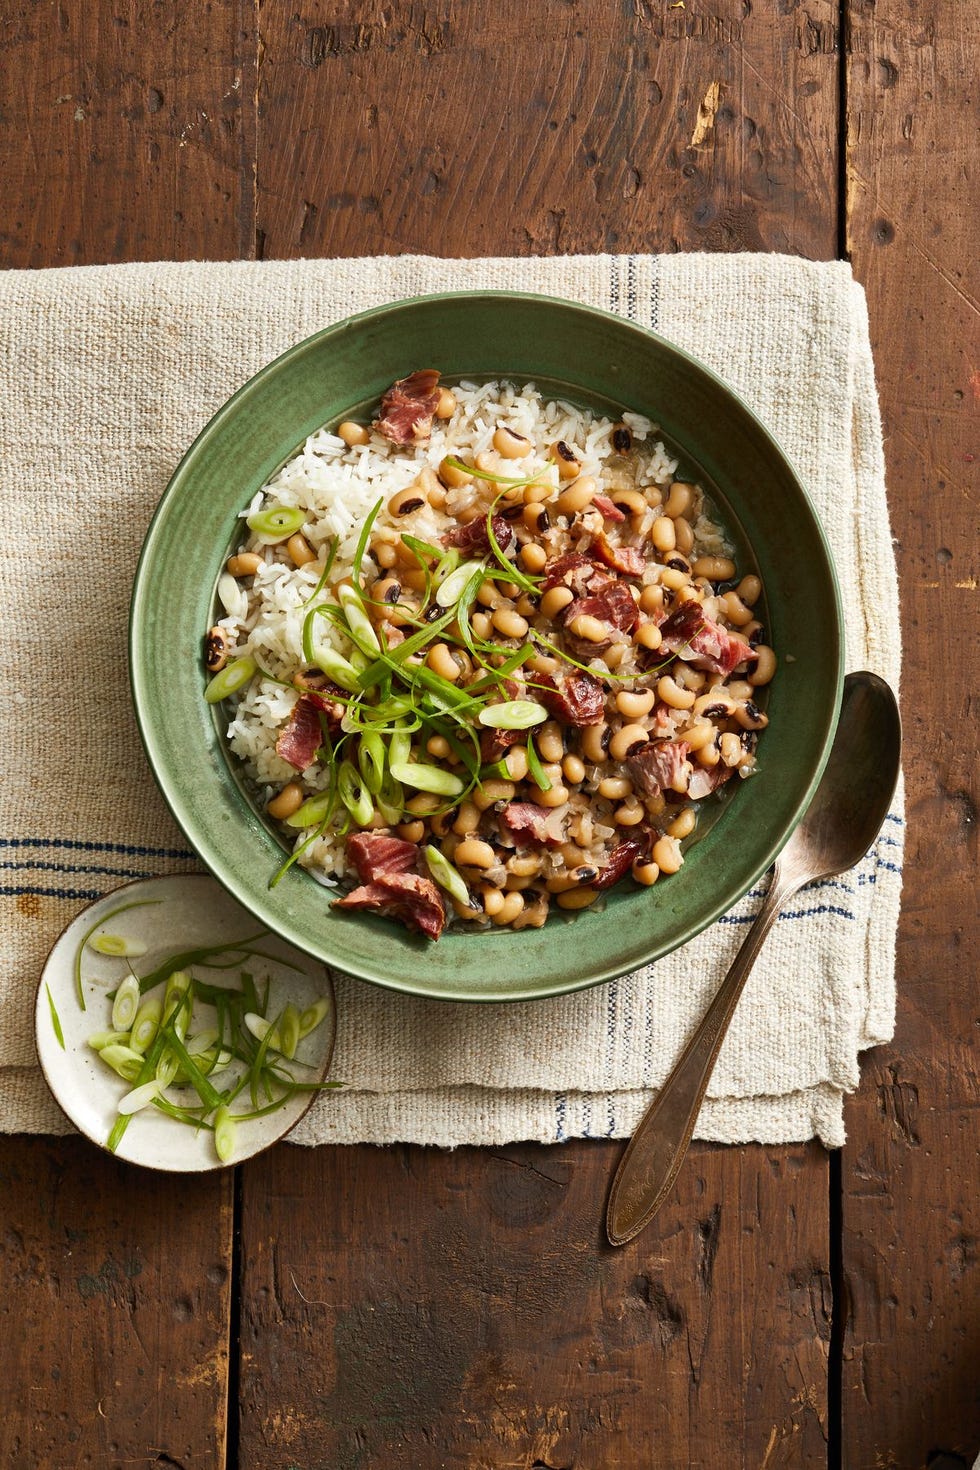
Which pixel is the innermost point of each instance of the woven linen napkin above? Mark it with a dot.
(106, 375)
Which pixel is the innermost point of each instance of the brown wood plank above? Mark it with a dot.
(126, 132)
(420, 1308)
(114, 1311)
(911, 1202)
(415, 1308)
(456, 131)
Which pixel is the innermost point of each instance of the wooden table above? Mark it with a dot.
(404, 1307)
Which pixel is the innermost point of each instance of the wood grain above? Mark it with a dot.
(452, 130)
(911, 1203)
(126, 132)
(418, 1308)
(114, 1311)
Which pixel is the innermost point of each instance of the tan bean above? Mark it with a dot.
(385, 555)
(289, 800)
(554, 600)
(750, 717)
(217, 646)
(533, 556)
(593, 742)
(534, 494)
(715, 703)
(578, 495)
(749, 590)
(715, 568)
(452, 476)
(509, 622)
(245, 564)
(533, 914)
(630, 813)
(410, 831)
(662, 534)
(615, 788)
(542, 663)
(300, 550)
(527, 605)
(627, 739)
(481, 624)
(699, 735)
(439, 822)
(515, 884)
(549, 741)
(516, 762)
(489, 594)
(577, 898)
(536, 519)
(568, 462)
(573, 769)
(667, 854)
(683, 535)
(489, 792)
(648, 635)
(524, 865)
(441, 662)
(646, 873)
(352, 433)
(509, 444)
(735, 610)
(446, 406)
(708, 755)
(557, 796)
(509, 909)
(683, 823)
(652, 599)
(680, 500)
(472, 853)
(590, 628)
(675, 578)
(731, 749)
(492, 898)
(467, 819)
(635, 703)
(630, 501)
(765, 667)
(671, 693)
(403, 502)
(423, 805)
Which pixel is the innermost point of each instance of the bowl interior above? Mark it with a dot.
(590, 357)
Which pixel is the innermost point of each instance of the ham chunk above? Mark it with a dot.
(408, 408)
(571, 696)
(628, 560)
(474, 537)
(622, 858)
(302, 735)
(662, 765)
(532, 825)
(698, 641)
(391, 886)
(377, 855)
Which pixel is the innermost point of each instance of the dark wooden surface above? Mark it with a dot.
(410, 1308)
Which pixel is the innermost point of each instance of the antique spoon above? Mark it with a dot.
(840, 825)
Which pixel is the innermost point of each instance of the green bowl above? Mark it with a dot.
(575, 352)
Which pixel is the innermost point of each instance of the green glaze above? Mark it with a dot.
(581, 353)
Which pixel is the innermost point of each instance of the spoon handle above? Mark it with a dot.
(656, 1151)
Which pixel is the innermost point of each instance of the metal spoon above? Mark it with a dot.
(840, 825)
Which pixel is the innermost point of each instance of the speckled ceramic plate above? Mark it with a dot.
(177, 913)
(575, 352)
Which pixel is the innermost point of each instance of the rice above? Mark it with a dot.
(337, 486)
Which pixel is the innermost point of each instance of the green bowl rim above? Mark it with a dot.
(213, 861)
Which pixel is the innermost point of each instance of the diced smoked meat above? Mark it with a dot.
(376, 855)
(301, 736)
(530, 824)
(577, 698)
(657, 766)
(414, 901)
(571, 570)
(622, 858)
(704, 780)
(699, 641)
(408, 407)
(607, 509)
(611, 603)
(474, 537)
(628, 560)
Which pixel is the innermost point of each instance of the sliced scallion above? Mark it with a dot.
(276, 521)
(122, 1059)
(446, 875)
(534, 768)
(126, 1004)
(139, 1098)
(224, 1134)
(428, 778)
(311, 1018)
(354, 793)
(313, 810)
(147, 1024)
(117, 946)
(232, 677)
(55, 1018)
(514, 714)
(452, 588)
(360, 625)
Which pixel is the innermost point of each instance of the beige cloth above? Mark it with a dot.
(106, 375)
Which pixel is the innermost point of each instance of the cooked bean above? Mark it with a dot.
(578, 495)
(708, 755)
(533, 915)
(385, 555)
(403, 502)
(467, 819)
(573, 769)
(688, 677)
(452, 476)
(730, 749)
(590, 628)
(512, 905)
(635, 703)
(689, 594)
(439, 746)
(680, 500)
(527, 605)
(489, 594)
(594, 742)
(699, 735)
(524, 865)
(485, 795)
(510, 444)
(515, 884)
(626, 739)
(541, 663)
(289, 800)
(630, 501)
(556, 796)
(671, 693)
(509, 622)
(472, 853)
(750, 717)
(410, 831)
(516, 762)
(648, 635)
(576, 898)
(245, 564)
(554, 600)
(683, 535)
(492, 899)
(662, 534)
(549, 741)
(765, 667)
(683, 823)
(654, 805)
(615, 788)
(652, 598)
(630, 813)
(217, 646)
(667, 854)
(717, 704)
(749, 590)
(352, 433)
(675, 578)
(715, 568)
(734, 609)
(446, 406)
(439, 822)
(646, 873)
(533, 556)
(481, 624)
(569, 464)
(424, 804)
(441, 662)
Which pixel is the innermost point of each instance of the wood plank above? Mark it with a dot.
(447, 130)
(115, 1308)
(411, 1307)
(126, 132)
(911, 1204)
(426, 1308)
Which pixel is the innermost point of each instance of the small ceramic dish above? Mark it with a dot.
(170, 914)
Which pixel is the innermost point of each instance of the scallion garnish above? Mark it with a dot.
(428, 778)
(534, 768)
(276, 521)
(513, 714)
(232, 677)
(446, 875)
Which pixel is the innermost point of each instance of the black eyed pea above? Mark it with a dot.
(441, 662)
(680, 500)
(410, 831)
(245, 564)
(217, 646)
(630, 501)
(491, 898)
(749, 590)
(568, 462)
(509, 444)
(352, 433)
(512, 905)
(594, 742)
(750, 717)
(683, 823)
(635, 703)
(536, 518)
(683, 535)
(765, 666)
(576, 898)
(474, 853)
(573, 769)
(662, 534)
(700, 734)
(481, 625)
(652, 599)
(630, 813)
(671, 693)
(533, 557)
(667, 854)
(403, 502)
(615, 788)
(490, 792)
(556, 796)
(731, 749)
(627, 739)
(578, 495)
(516, 762)
(509, 623)
(646, 873)
(489, 594)
(446, 406)
(550, 743)
(525, 865)
(735, 610)
(467, 819)
(715, 568)
(593, 630)
(648, 635)
(452, 476)
(439, 746)
(554, 600)
(289, 800)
